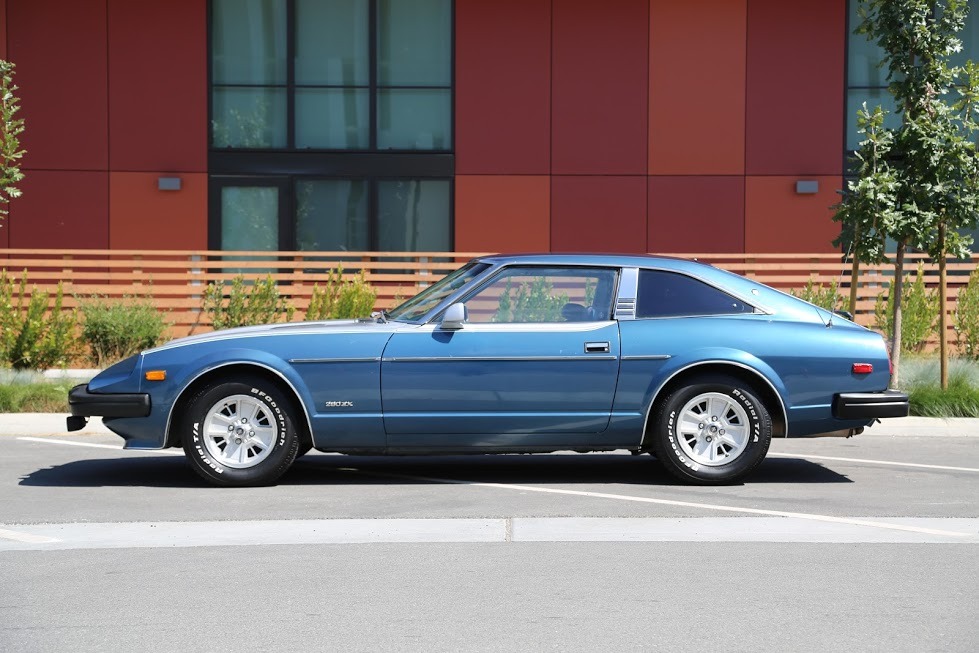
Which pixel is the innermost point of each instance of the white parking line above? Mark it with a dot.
(499, 530)
(100, 446)
(26, 538)
(672, 502)
(873, 462)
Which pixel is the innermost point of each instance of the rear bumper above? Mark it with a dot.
(83, 403)
(870, 405)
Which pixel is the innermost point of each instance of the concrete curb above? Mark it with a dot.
(34, 424)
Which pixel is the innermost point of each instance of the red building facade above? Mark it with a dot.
(629, 126)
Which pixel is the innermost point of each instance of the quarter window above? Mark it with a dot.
(668, 294)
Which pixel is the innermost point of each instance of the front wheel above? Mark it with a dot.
(239, 433)
(713, 431)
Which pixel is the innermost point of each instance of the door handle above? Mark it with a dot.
(596, 348)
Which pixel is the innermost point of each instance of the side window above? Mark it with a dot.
(544, 294)
(668, 294)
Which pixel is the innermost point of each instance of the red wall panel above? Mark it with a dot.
(59, 47)
(158, 85)
(61, 209)
(503, 87)
(777, 219)
(696, 214)
(502, 213)
(795, 87)
(696, 92)
(144, 217)
(600, 87)
(3, 29)
(598, 214)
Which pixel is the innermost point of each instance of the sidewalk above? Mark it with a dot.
(34, 424)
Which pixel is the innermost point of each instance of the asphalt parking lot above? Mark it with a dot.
(865, 544)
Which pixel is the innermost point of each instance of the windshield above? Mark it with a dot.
(416, 307)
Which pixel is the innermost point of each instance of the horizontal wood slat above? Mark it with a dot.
(175, 279)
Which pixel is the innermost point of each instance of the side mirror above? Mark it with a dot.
(454, 317)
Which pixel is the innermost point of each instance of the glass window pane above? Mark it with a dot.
(249, 218)
(863, 56)
(249, 117)
(969, 37)
(248, 42)
(544, 295)
(414, 119)
(873, 97)
(332, 42)
(413, 215)
(414, 43)
(332, 118)
(667, 294)
(332, 215)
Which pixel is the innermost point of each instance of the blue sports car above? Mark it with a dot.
(533, 353)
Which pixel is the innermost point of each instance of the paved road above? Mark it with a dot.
(864, 544)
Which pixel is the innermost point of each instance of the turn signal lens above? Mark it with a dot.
(862, 368)
(156, 375)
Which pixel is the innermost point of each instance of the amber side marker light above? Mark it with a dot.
(862, 368)
(156, 375)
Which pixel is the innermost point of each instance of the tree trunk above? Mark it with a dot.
(943, 305)
(898, 290)
(854, 276)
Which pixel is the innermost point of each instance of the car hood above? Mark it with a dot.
(338, 326)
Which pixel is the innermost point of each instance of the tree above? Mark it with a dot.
(933, 187)
(10, 128)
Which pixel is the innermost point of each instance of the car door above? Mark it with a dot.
(536, 359)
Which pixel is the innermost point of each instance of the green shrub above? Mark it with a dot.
(828, 297)
(41, 397)
(31, 336)
(967, 317)
(116, 330)
(340, 299)
(919, 311)
(244, 304)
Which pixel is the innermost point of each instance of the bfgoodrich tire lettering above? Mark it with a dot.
(712, 431)
(239, 433)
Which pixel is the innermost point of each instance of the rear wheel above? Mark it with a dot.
(239, 433)
(712, 431)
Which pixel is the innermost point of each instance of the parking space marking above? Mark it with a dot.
(672, 502)
(873, 462)
(26, 538)
(100, 446)
(156, 535)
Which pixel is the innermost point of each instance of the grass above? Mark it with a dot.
(919, 378)
(31, 392)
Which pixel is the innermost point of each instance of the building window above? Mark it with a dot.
(369, 75)
(331, 125)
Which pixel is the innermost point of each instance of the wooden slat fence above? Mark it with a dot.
(175, 279)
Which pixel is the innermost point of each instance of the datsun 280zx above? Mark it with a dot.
(533, 353)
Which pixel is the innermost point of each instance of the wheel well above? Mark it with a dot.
(752, 380)
(301, 421)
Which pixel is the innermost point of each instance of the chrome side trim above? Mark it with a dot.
(469, 359)
(335, 360)
(650, 357)
(652, 402)
(176, 400)
(625, 301)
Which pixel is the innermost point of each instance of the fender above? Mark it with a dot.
(216, 360)
(714, 356)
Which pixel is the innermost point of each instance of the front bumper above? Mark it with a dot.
(870, 405)
(83, 403)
